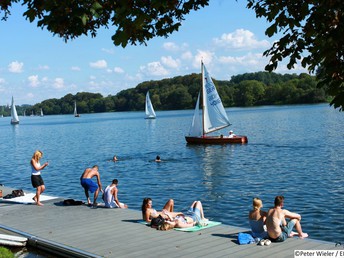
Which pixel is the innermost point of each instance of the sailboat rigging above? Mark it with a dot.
(150, 113)
(14, 115)
(75, 110)
(214, 116)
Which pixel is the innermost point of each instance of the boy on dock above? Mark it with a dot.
(88, 185)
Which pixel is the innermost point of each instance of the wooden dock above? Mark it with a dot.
(81, 231)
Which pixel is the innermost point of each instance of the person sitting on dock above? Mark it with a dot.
(110, 196)
(257, 219)
(148, 212)
(278, 228)
(88, 185)
(194, 216)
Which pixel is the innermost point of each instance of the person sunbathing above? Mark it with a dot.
(194, 216)
(148, 212)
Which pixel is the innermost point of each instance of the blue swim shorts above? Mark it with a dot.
(194, 213)
(89, 185)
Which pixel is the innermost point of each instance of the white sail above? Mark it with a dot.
(196, 127)
(42, 112)
(214, 114)
(14, 115)
(149, 107)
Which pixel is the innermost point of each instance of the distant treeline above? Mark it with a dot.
(249, 89)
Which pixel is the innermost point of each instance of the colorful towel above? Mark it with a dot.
(197, 228)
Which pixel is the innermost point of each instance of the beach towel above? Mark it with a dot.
(197, 228)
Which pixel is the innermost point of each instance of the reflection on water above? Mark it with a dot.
(295, 151)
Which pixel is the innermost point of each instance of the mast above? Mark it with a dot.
(203, 99)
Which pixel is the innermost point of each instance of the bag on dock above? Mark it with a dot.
(15, 193)
(72, 202)
(245, 238)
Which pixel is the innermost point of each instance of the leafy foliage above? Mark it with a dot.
(134, 21)
(249, 89)
(312, 33)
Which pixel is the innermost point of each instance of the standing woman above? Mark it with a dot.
(36, 178)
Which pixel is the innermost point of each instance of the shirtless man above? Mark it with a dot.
(91, 186)
(110, 196)
(277, 226)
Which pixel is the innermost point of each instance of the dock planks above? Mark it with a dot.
(116, 233)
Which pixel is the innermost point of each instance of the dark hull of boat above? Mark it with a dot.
(14, 122)
(150, 117)
(216, 140)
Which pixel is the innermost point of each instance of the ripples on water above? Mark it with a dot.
(295, 151)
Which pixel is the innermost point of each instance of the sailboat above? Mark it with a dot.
(14, 115)
(75, 110)
(214, 116)
(150, 114)
(41, 112)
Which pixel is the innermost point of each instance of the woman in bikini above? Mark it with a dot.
(148, 212)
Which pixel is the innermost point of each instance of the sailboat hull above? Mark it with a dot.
(216, 139)
(14, 122)
(150, 117)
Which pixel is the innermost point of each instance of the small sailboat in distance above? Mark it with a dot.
(14, 115)
(41, 112)
(75, 110)
(150, 113)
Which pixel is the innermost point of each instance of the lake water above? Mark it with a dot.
(295, 151)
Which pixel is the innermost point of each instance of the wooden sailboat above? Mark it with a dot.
(214, 117)
(150, 113)
(14, 115)
(75, 110)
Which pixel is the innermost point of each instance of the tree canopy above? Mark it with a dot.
(245, 90)
(312, 30)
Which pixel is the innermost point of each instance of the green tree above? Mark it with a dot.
(312, 33)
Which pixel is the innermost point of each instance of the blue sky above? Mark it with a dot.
(35, 65)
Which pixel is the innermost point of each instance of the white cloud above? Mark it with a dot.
(59, 83)
(155, 69)
(75, 68)
(100, 64)
(92, 77)
(43, 67)
(240, 39)
(170, 62)
(187, 55)
(15, 67)
(30, 95)
(33, 81)
(108, 51)
(118, 70)
(206, 56)
(2, 81)
(170, 46)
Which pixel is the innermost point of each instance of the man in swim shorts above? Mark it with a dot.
(89, 185)
(278, 228)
